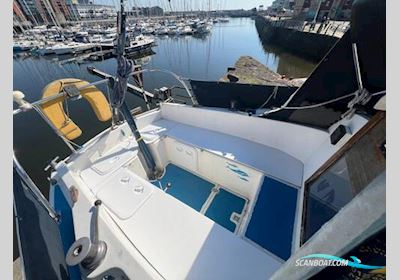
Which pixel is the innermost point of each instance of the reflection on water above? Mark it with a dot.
(195, 57)
(288, 64)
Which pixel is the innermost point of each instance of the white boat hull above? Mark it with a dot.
(61, 51)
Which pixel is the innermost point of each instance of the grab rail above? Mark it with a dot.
(56, 96)
(26, 106)
(178, 78)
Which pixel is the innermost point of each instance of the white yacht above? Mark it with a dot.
(139, 43)
(185, 30)
(46, 49)
(107, 41)
(22, 46)
(64, 48)
(162, 30)
(71, 48)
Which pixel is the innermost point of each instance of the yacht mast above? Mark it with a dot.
(51, 13)
(30, 12)
(118, 104)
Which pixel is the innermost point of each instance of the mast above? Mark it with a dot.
(118, 104)
(51, 13)
(30, 12)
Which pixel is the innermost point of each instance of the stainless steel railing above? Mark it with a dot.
(34, 189)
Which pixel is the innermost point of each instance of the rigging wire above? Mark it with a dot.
(273, 95)
(318, 104)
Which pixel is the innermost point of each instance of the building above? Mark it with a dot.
(72, 8)
(281, 7)
(93, 11)
(67, 9)
(334, 9)
(40, 12)
(155, 11)
(17, 12)
(342, 11)
(60, 10)
(57, 12)
(31, 10)
(19, 19)
(282, 4)
(51, 11)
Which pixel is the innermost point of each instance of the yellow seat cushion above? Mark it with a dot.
(99, 103)
(54, 110)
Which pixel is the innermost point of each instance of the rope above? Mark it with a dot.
(284, 107)
(125, 66)
(274, 92)
(320, 104)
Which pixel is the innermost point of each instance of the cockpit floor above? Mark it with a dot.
(197, 193)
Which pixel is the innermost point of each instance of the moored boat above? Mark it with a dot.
(236, 185)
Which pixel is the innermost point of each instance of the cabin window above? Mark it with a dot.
(326, 196)
(345, 175)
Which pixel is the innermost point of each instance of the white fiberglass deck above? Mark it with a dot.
(157, 234)
(268, 160)
(181, 243)
(177, 241)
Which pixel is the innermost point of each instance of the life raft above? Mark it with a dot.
(54, 109)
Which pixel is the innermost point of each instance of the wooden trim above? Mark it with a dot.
(332, 160)
(336, 156)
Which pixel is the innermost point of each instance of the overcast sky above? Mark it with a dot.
(192, 4)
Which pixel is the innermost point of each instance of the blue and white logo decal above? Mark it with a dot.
(241, 174)
(329, 260)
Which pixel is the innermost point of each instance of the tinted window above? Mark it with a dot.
(326, 196)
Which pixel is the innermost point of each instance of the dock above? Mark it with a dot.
(309, 40)
(248, 70)
(139, 92)
(95, 55)
(329, 28)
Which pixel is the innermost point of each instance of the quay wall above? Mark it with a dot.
(310, 45)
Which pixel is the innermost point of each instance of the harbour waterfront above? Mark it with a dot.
(260, 171)
(298, 37)
(202, 58)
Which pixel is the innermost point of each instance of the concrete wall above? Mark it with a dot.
(310, 45)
